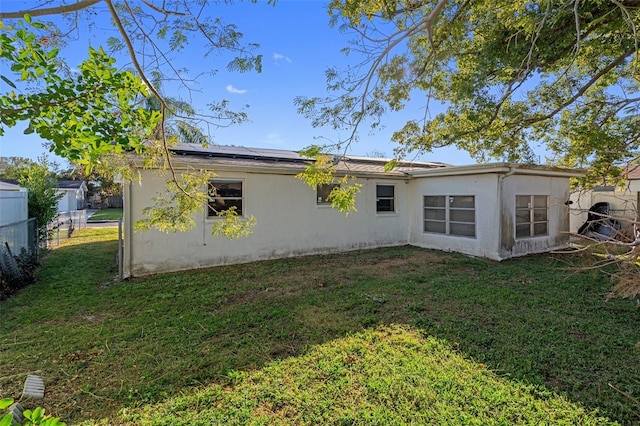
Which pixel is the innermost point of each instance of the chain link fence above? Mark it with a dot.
(64, 225)
(20, 236)
(18, 240)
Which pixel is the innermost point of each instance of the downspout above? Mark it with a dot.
(511, 172)
(129, 233)
(637, 225)
(204, 226)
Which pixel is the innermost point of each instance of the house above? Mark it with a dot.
(74, 195)
(496, 211)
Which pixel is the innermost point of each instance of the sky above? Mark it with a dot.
(297, 44)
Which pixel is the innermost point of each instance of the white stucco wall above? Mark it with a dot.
(557, 189)
(495, 219)
(484, 188)
(13, 206)
(289, 223)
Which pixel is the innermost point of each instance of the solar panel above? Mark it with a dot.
(238, 151)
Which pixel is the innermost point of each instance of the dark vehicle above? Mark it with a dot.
(599, 225)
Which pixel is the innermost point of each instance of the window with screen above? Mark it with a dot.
(532, 216)
(450, 215)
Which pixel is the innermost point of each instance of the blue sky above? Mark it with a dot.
(298, 45)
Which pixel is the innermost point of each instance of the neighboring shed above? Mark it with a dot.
(496, 211)
(74, 195)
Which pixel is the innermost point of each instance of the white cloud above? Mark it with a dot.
(281, 57)
(274, 139)
(232, 89)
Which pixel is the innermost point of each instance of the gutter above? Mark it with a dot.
(130, 231)
(508, 168)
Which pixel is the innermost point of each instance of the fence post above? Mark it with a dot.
(37, 241)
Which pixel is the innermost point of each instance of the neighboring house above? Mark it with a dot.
(14, 203)
(496, 211)
(74, 195)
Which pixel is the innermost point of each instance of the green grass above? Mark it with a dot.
(390, 376)
(519, 337)
(106, 214)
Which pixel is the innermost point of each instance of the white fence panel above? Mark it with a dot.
(13, 206)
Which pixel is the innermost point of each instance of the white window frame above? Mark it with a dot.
(445, 211)
(533, 210)
(242, 212)
(393, 199)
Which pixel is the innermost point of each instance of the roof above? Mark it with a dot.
(62, 183)
(70, 184)
(9, 186)
(634, 172)
(258, 158)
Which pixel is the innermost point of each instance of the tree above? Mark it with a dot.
(43, 193)
(496, 77)
(10, 166)
(509, 74)
(94, 116)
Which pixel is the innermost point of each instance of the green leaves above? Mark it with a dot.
(174, 208)
(343, 196)
(43, 193)
(5, 402)
(322, 172)
(34, 417)
(233, 226)
(508, 74)
(6, 420)
(84, 115)
(38, 418)
(95, 110)
(318, 172)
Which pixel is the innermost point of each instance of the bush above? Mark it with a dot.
(16, 272)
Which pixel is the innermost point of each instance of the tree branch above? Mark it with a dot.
(161, 10)
(81, 4)
(619, 60)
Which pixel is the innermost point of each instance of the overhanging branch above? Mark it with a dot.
(57, 10)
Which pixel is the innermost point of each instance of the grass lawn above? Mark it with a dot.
(387, 336)
(106, 214)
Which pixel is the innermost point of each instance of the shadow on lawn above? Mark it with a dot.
(106, 344)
